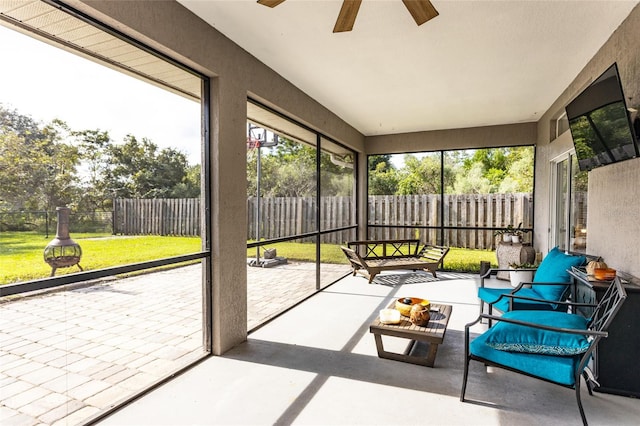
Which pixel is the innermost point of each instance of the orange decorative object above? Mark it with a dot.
(604, 274)
(595, 264)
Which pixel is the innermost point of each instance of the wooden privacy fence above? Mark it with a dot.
(157, 216)
(288, 216)
(457, 210)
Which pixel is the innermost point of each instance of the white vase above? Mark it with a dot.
(515, 238)
(506, 238)
(518, 276)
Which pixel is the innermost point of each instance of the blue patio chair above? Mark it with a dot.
(550, 284)
(548, 345)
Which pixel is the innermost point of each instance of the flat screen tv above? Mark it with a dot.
(600, 123)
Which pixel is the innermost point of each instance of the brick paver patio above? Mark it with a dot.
(66, 355)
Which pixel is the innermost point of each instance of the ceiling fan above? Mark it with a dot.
(421, 10)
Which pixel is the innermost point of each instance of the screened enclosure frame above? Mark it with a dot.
(204, 256)
(318, 232)
(441, 228)
(46, 283)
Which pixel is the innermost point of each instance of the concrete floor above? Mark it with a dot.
(317, 364)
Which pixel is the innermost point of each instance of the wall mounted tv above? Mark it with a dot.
(600, 123)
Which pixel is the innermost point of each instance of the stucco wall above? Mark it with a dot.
(614, 201)
(613, 220)
(473, 137)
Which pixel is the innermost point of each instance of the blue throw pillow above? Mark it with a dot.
(517, 338)
(553, 269)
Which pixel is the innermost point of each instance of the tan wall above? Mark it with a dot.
(614, 198)
(475, 137)
(613, 221)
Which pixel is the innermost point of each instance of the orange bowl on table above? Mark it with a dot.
(604, 274)
(405, 308)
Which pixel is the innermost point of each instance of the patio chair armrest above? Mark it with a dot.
(513, 292)
(489, 272)
(536, 299)
(494, 271)
(512, 296)
(546, 283)
(584, 332)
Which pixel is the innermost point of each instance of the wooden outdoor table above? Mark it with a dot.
(432, 333)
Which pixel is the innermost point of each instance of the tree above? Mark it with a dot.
(519, 175)
(472, 182)
(93, 148)
(374, 160)
(37, 166)
(59, 185)
(383, 176)
(190, 186)
(139, 170)
(45, 166)
(423, 176)
(285, 171)
(494, 170)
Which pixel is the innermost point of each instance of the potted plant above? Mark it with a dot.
(516, 237)
(521, 273)
(512, 234)
(505, 233)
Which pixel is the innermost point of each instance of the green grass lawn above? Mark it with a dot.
(458, 259)
(468, 260)
(21, 253)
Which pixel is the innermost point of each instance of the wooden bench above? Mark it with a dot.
(370, 257)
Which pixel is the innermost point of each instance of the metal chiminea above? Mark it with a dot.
(62, 251)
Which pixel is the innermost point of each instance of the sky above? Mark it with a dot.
(45, 82)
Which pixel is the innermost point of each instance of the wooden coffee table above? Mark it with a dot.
(432, 333)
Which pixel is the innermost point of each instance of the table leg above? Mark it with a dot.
(428, 361)
(431, 355)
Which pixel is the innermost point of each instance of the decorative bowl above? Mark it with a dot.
(404, 306)
(604, 274)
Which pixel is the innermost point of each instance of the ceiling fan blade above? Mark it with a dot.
(347, 16)
(421, 10)
(270, 3)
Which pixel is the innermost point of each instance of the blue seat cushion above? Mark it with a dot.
(553, 269)
(506, 336)
(490, 295)
(559, 369)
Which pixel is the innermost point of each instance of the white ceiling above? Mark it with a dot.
(479, 63)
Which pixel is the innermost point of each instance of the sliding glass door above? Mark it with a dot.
(569, 205)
